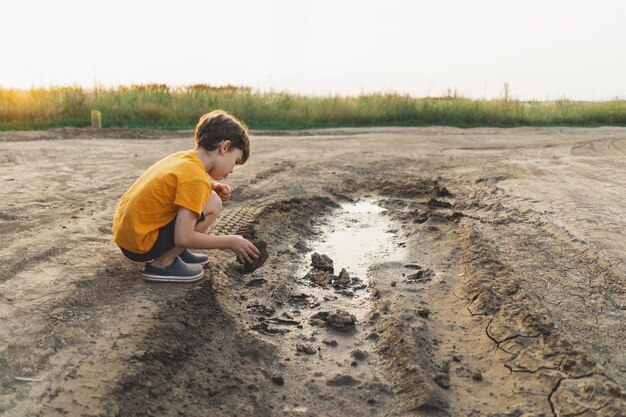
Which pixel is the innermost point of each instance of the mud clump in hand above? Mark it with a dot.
(322, 263)
(258, 262)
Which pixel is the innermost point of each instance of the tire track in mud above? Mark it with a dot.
(546, 372)
(235, 220)
(443, 361)
(606, 146)
(583, 292)
(523, 329)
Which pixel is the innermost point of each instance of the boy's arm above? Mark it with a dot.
(185, 236)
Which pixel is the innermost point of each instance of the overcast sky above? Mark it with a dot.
(545, 49)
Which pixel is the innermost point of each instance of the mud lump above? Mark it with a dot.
(258, 262)
(341, 321)
(322, 263)
(343, 278)
(322, 278)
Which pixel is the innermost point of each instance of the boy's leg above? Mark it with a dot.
(211, 211)
(167, 258)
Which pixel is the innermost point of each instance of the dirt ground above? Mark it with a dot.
(504, 294)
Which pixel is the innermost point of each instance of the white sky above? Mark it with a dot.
(545, 49)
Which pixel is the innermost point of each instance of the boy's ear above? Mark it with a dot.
(225, 146)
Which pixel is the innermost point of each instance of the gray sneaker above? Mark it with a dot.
(178, 271)
(189, 257)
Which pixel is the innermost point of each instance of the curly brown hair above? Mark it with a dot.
(217, 126)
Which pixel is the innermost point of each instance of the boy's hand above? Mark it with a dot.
(244, 249)
(223, 190)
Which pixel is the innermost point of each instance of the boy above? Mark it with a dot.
(170, 206)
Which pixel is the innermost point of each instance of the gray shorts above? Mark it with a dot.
(164, 242)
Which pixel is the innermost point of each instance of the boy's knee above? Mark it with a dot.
(214, 205)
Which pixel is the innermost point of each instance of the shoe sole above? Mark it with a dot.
(198, 263)
(171, 278)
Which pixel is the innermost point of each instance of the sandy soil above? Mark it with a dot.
(504, 295)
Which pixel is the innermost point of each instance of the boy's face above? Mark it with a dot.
(225, 161)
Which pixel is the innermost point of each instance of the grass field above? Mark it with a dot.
(163, 107)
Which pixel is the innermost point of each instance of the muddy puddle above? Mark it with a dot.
(354, 237)
(332, 352)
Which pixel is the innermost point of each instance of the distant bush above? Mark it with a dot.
(164, 107)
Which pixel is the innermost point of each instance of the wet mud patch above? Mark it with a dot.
(316, 318)
(421, 201)
(355, 236)
(394, 343)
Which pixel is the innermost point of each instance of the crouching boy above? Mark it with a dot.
(170, 206)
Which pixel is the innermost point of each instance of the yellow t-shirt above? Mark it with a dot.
(178, 180)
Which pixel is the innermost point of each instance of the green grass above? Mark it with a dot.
(159, 106)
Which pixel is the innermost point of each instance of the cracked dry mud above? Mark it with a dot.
(505, 297)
